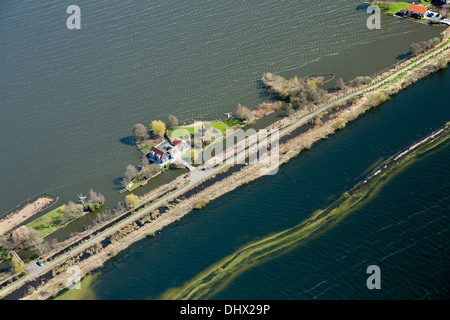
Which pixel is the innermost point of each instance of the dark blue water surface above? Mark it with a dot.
(404, 229)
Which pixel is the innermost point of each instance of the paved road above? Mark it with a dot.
(197, 176)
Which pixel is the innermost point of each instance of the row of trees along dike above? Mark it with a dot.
(300, 92)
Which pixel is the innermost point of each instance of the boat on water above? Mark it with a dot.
(144, 183)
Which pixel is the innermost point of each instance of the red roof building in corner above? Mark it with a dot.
(419, 10)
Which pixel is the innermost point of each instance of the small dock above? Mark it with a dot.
(15, 255)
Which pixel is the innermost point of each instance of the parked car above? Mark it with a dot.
(39, 263)
(187, 175)
(205, 168)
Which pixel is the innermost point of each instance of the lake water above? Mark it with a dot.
(405, 229)
(70, 98)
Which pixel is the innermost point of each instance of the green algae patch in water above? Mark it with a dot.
(218, 276)
(85, 291)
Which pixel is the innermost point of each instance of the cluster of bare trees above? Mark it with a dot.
(172, 121)
(130, 173)
(445, 11)
(95, 200)
(289, 110)
(340, 84)
(243, 113)
(33, 239)
(146, 172)
(140, 132)
(72, 211)
(103, 217)
(266, 108)
(361, 81)
(299, 90)
(423, 46)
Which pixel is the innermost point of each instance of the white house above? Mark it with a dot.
(166, 152)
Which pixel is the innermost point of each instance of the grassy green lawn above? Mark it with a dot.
(395, 7)
(53, 220)
(136, 184)
(223, 126)
(220, 125)
(190, 129)
(48, 222)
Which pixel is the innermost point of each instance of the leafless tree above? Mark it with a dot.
(38, 243)
(140, 131)
(72, 212)
(131, 172)
(361, 80)
(73, 208)
(445, 11)
(145, 161)
(243, 112)
(6, 243)
(172, 121)
(148, 171)
(340, 84)
(119, 209)
(95, 197)
(289, 110)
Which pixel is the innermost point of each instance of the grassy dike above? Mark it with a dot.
(219, 275)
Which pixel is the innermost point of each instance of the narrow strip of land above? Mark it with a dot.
(198, 176)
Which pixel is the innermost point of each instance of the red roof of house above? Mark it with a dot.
(417, 9)
(157, 152)
(176, 142)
